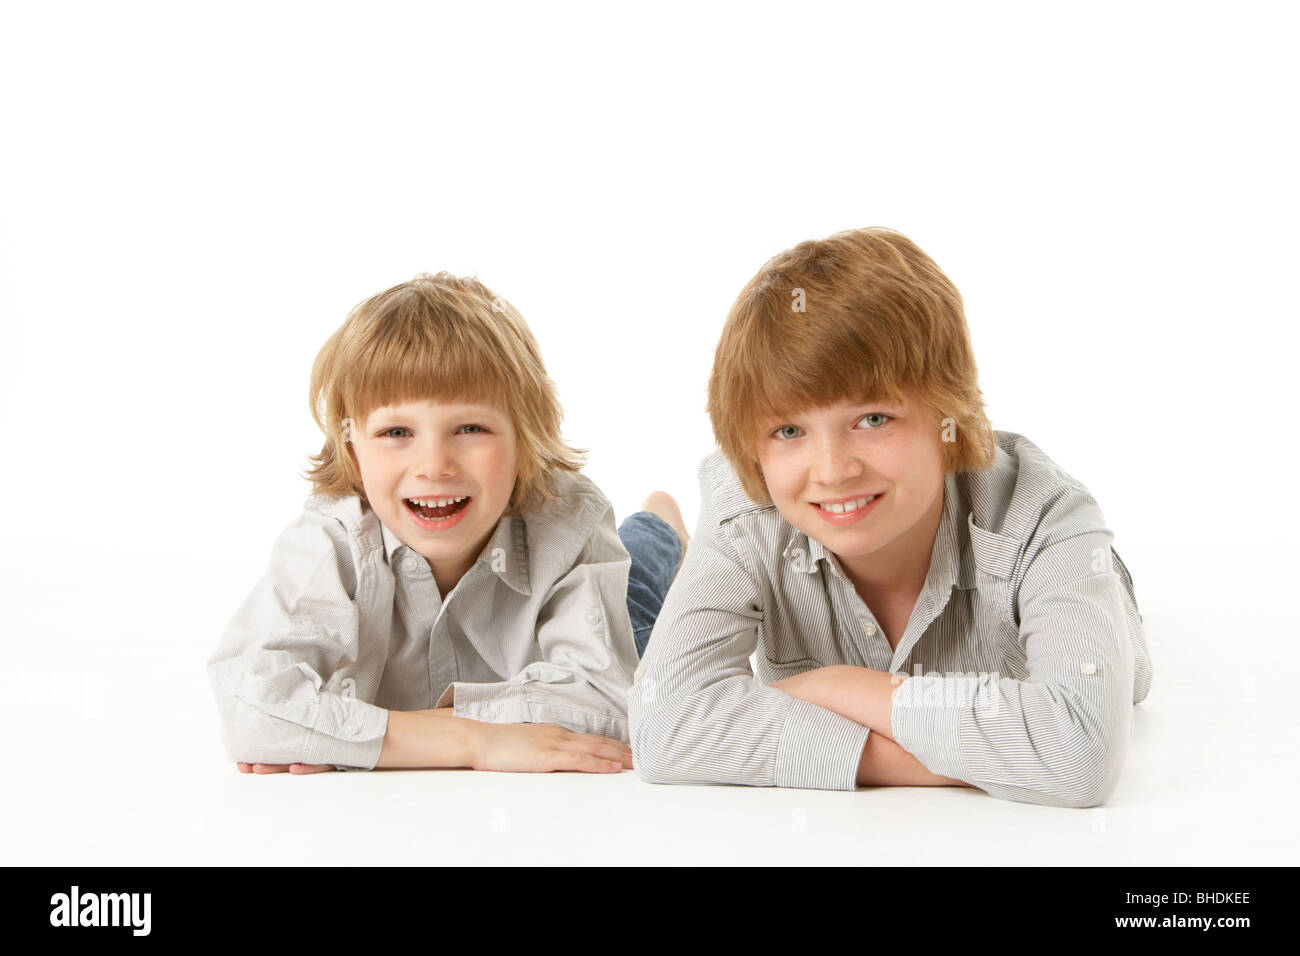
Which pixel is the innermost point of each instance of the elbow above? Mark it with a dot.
(1073, 768)
(1079, 796)
(251, 736)
(647, 754)
(648, 769)
(650, 727)
(239, 737)
(1088, 781)
(1104, 768)
(653, 764)
(1083, 747)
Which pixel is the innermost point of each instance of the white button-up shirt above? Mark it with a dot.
(347, 623)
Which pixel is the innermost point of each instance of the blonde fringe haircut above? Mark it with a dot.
(880, 321)
(446, 339)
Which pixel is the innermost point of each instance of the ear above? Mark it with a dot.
(352, 467)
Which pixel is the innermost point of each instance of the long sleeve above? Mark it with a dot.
(291, 673)
(1059, 737)
(587, 649)
(696, 712)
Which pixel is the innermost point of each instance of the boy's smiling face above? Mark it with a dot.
(427, 450)
(889, 453)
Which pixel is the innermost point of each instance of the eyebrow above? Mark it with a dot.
(394, 415)
(870, 403)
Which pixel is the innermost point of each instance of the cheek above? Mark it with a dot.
(499, 466)
(375, 478)
(780, 475)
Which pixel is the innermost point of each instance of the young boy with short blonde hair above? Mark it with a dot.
(454, 593)
(931, 602)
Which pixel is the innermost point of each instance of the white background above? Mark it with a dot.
(195, 196)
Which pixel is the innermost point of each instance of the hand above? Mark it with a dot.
(542, 748)
(283, 767)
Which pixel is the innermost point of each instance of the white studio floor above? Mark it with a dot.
(113, 759)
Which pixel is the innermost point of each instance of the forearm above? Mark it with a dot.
(865, 696)
(429, 738)
(858, 693)
(886, 764)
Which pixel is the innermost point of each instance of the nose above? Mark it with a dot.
(435, 459)
(834, 466)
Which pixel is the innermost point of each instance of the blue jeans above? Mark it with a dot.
(655, 551)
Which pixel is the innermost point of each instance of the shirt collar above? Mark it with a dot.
(951, 562)
(505, 554)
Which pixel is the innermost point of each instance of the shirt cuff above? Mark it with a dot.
(447, 698)
(355, 741)
(499, 703)
(818, 749)
(926, 721)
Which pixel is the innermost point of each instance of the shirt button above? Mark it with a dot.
(869, 628)
(1088, 667)
(593, 616)
(410, 564)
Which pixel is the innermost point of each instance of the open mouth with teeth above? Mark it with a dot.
(436, 509)
(847, 507)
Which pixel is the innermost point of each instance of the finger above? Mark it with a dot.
(598, 746)
(244, 767)
(309, 767)
(619, 744)
(607, 741)
(584, 762)
(617, 750)
(270, 767)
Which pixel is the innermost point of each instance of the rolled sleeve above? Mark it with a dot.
(495, 703)
(285, 720)
(286, 674)
(587, 649)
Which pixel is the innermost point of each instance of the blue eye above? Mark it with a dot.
(875, 420)
(388, 433)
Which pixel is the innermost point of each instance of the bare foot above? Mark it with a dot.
(662, 504)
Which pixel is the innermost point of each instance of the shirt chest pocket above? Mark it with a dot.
(769, 672)
(778, 642)
(807, 638)
(998, 642)
(993, 618)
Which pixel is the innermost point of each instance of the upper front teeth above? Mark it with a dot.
(436, 502)
(847, 506)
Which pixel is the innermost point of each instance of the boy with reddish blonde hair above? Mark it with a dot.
(931, 602)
